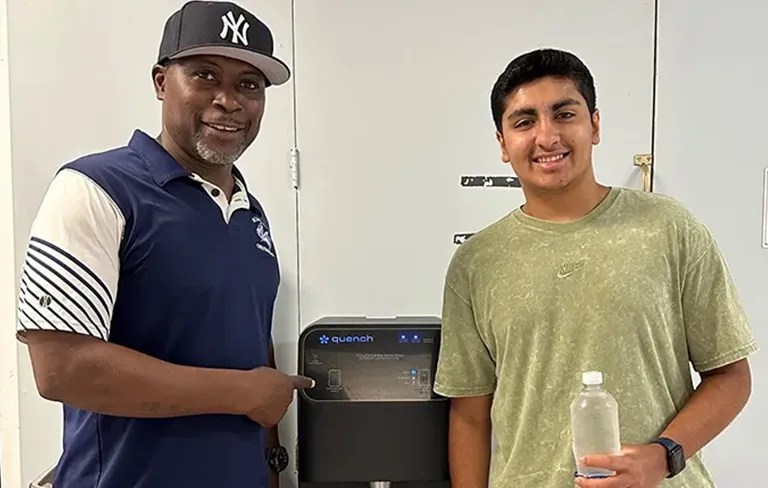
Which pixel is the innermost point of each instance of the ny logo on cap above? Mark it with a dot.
(239, 28)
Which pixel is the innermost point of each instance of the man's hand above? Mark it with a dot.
(274, 480)
(270, 392)
(637, 466)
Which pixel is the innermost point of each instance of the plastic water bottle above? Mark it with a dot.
(594, 424)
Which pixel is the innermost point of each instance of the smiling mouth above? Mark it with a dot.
(551, 159)
(223, 127)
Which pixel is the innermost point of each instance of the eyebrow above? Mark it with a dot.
(532, 111)
(198, 63)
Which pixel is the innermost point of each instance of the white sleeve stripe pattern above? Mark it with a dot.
(30, 320)
(84, 288)
(71, 269)
(70, 287)
(30, 306)
(46, 291)
(72, 259)
(46, 303)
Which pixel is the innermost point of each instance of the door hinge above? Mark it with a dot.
(294, 165)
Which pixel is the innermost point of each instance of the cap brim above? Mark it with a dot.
(274, 70)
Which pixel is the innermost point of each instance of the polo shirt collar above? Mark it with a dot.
(162, 166)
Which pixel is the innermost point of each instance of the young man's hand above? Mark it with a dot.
(637, 466)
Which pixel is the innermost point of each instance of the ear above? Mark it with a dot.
(504, 153)
(596, 127)
(159, 79)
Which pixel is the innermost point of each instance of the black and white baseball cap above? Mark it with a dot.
(222, 29)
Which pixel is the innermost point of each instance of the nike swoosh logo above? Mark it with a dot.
(568, 269)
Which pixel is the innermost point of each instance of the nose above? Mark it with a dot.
(226, 100)
(547, 135)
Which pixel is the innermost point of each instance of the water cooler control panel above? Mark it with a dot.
(371, 364)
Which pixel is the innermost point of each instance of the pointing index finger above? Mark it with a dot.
(302, 382)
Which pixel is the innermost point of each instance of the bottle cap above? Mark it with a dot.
(592, 378)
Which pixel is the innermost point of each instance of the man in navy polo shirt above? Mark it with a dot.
(149, 281)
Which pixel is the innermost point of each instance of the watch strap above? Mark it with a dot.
(675, 456)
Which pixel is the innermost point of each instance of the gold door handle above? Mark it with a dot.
(645, 161)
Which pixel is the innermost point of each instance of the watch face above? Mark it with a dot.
(677, 460)
(278, 458)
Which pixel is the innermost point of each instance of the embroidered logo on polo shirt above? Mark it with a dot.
(45, 301)
(264, 240)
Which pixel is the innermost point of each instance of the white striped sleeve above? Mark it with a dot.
(70, 272)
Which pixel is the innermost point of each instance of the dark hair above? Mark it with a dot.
(538, 64)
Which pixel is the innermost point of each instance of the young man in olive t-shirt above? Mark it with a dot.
(584, 277)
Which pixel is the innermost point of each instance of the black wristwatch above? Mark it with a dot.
(675, 456)
(277, 458)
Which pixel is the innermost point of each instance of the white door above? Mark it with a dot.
(710, 132)
(393, 112)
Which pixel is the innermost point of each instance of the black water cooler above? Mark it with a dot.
(372, 420)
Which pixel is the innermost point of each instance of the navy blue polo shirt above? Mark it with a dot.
(131, 248)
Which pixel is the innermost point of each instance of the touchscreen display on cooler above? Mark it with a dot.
(372, 365)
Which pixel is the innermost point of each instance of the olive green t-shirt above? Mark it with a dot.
(637, 289)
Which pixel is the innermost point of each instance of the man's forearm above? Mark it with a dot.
(719, 398)
(469, 446)
(106, 378)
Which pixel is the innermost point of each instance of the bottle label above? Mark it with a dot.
(591, 476)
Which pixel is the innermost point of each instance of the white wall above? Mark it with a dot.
(80, 82)
(10, 456)
(389, 123)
